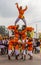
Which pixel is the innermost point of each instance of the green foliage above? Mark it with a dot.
(28, 34)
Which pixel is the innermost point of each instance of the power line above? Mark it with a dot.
(35, 22)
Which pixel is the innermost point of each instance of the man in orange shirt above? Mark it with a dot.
(30, 48)
(23, 32)
(23, 35)
(17, 51)
(16, 32)
(21, 14)
(10, 44)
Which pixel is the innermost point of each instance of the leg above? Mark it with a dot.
(31, 55)
(17, 20)
(24, 21)
(24, 55)
(9, 54)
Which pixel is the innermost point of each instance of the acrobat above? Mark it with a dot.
(21, 13)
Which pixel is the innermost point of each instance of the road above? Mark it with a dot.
(36, 60)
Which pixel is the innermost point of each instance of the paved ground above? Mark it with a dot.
(36, 61)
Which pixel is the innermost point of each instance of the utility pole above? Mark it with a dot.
(36, 30)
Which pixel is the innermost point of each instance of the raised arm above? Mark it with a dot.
(17, 5)
(25, 8)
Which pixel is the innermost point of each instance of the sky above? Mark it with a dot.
(9, 13)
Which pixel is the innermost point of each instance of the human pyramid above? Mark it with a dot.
(20, 43)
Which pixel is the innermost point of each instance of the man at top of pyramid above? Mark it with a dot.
(21, 14)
